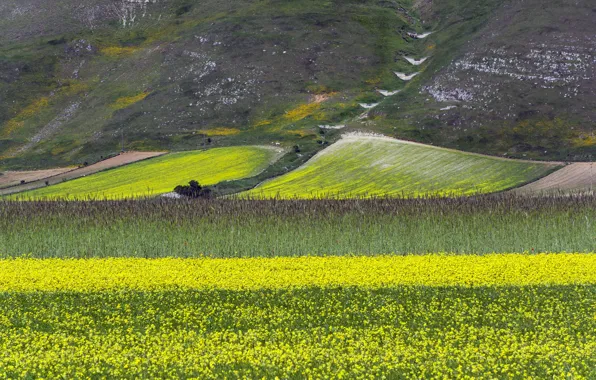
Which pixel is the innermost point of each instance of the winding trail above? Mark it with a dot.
(368, 106)
(420, 36)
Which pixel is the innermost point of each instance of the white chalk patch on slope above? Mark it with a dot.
(388, 93)
(341, 126)
(420, 36)
(448, 108)
(404, 76)
(369, 105)
(416, 62)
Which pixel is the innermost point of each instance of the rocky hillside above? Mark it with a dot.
(79, 79)
(519, 81)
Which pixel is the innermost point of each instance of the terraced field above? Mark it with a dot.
(368, 166)
(160, 175)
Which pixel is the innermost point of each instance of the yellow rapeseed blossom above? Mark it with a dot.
(278, 273)
(353, 332)
(433, 316)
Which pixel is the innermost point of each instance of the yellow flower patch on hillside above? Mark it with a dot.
(300, 132)
(320, 116)
(221, 131)
(302, 111)
(74, 88)
(19, 120)
(117, 51)
(263, 123)
(128, 101)
(584, 141)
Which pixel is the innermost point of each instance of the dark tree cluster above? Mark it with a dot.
(194, 190)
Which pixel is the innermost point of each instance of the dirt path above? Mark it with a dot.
(577, 177)
(120, 160)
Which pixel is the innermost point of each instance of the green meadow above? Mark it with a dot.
(160, 175)
(369, 166)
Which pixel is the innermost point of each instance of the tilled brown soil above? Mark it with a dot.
(577, 177)
(62, 175)
(12, 178)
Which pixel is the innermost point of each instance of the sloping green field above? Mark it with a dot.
(367, 166)
(160, 175)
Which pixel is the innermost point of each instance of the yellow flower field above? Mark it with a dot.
(278, 273)
(363, 166)
(433, 316)
(160, 175)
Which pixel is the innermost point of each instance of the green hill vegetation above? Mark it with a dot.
(371, 166)
(160, 175)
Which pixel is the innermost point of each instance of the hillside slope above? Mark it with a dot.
(181, 74)
(375, 166)
(78, 79)
(520, 84)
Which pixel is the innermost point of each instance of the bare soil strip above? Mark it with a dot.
(68, 174)
(576, 177)
(12, 178)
